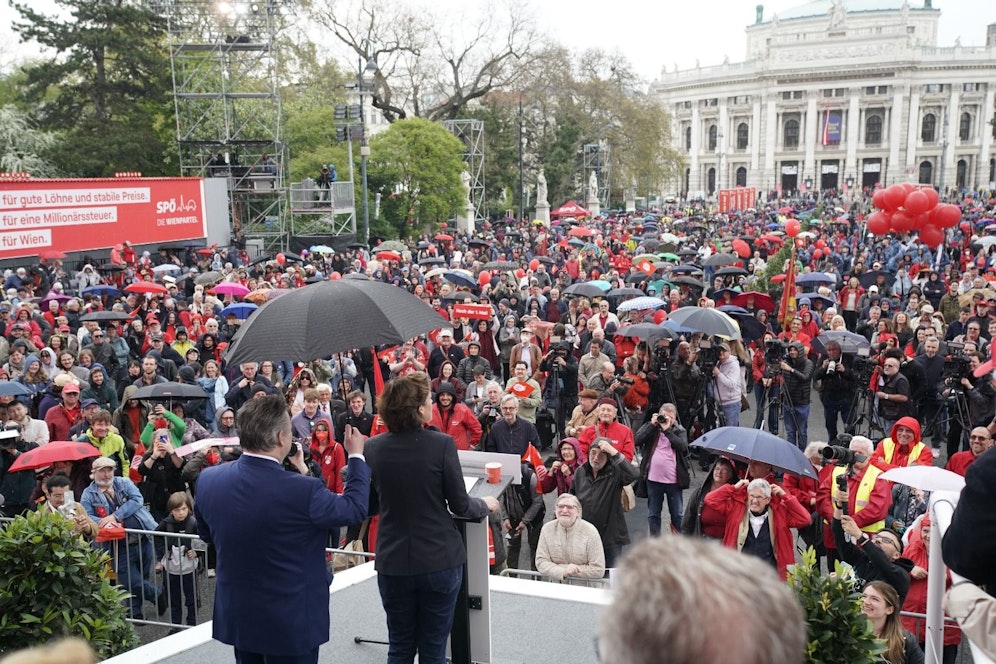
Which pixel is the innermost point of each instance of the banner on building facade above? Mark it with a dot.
(739, 198)
(89, 214)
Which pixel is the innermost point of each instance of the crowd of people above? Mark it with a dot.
(556, 360)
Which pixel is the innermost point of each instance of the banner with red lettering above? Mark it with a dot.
(84, 215)
(473, 311)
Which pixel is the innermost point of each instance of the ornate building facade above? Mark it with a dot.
(835, 94)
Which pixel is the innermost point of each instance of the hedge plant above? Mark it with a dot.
(838, 632)
(56, 584)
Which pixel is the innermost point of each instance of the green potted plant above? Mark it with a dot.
(56, 584)
(838, 632)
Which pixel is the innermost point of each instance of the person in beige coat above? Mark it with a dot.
(569, 545)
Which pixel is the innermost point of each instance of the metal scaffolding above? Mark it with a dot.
(596, 158)
(224, 63)
(471, 134)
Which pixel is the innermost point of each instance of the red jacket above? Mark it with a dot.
(916, 597)
(459, 423)
(878, 503)
(620, 435)
(900, 458)
(804, 489)
(332, 459)
(959, 463)
(784, 514)
(60, 421)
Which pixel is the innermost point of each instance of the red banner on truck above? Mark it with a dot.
(83, 215)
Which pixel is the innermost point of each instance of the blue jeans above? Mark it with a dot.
(133, 563)
(419, 612)
(731, 413)
(796, 425)
(759, 395)
(656, 492)
(831, 409)
(243, 657)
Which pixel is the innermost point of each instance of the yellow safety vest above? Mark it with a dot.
(889, 449)
(865, 488)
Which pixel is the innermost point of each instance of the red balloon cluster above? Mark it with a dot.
(904, 208)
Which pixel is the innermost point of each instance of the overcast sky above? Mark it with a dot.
(651, 34)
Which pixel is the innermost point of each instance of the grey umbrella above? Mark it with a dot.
(721, 259)
(331, 317)
(744, 444)
(211, 277)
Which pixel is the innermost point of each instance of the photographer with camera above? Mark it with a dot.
(797, 374)
(15, 488)
(607, 383)
(854, 484)
(837, 384)
(560, 394)
(932, 363)
(686, 381)
(729, 385)
(767, 381)
(979, 394)
(59, 499)
(663, 444)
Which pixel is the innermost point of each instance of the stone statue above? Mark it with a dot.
(760, 14)
(465, 179)
(593, 186)
(541, 190)
(838, 13)
(904, 12)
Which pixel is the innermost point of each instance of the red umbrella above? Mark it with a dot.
(46, 455)
(146, 287)
(777, 279)
(772, 238)
(389, 255)
(580, 231)
(443, 237)
(52, 254)
(206, 251)
(761, 300)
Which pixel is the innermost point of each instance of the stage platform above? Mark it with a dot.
(531, 621)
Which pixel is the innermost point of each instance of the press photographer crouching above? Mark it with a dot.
(15, 488)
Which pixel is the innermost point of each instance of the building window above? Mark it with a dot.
(928, 128)
(791, 137)
(741, 177)
(688, 138)
(873, 129)
(961, 176)
(926, 172)
(933, 88)
(743, 134)
(965, 127)
(971, 87)
(712, 137)
(711, 181)
(792, 94)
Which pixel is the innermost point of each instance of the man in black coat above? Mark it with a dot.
(877, 558)
(969, 544)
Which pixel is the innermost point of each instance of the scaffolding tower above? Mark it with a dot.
(224, 64)
(596, 159)
(471, 134)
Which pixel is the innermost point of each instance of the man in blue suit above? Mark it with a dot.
(269, 527)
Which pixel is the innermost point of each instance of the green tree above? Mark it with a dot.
(108, 86)
(22, 146)
(55, 584)
(415, 165)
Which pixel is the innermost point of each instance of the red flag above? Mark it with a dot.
(786, 309)
(378, 377)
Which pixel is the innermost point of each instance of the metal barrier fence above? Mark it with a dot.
(569, 580)
(139, 562)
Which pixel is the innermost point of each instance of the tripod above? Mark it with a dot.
(956, 415)
(863, 420)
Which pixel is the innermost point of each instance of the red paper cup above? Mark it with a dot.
(493, 471)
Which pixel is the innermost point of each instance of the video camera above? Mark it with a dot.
(956, 365)
(775, 350)
(10, 436)
(863, 366)
(707, 355)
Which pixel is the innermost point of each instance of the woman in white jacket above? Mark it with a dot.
(569, 545)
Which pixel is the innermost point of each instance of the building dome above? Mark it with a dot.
(822, 7)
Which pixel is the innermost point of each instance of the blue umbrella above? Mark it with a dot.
(816, 278)
(322, 249)
(9, 388)
(460, 279)
(100, 290)
(676, 328)
(575, 242)
(812, 297)
(601, 284)
(240, 309)
(744, 444)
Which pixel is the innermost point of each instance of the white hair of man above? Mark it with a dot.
(510, 398)
(760, 485)
(663, 580)
(862, 445)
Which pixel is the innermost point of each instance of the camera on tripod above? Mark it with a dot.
(863, 366)
(956, 365)
(707, 355)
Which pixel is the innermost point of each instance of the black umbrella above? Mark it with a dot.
(314, 280)
(432, 260)
(687, 252)
(104, 316)
(513, 234)
(584, 290)
(745, 444)
(730, 272)
(110, 267)
(545, 259)
(637, 277)
(462, 296)
(357, 276)
(686, 269)
(688, 281)
(169, 392)
(361, 245)
(478, 243)
(624, 292)
(870, 278)
(309, 322)
(721, 259)
(645, 331)
(421, 245)
(500, 265)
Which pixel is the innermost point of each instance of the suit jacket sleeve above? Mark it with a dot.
(455, 490)
(331, 510)
(970, 542)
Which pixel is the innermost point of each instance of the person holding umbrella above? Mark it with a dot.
(759, 516)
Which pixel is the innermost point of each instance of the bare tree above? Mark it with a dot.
(428, 67)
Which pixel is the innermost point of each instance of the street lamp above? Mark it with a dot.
(363, 77)
(944, 153)
(719, 168)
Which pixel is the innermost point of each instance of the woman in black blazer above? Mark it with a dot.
(416, 487)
